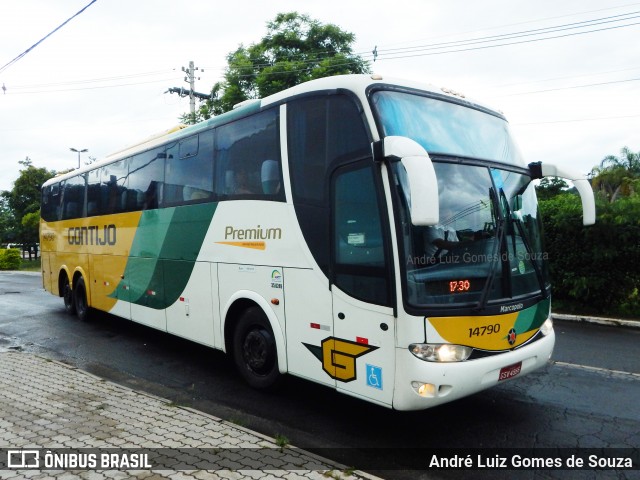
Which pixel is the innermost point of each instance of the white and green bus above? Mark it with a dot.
(375, 236)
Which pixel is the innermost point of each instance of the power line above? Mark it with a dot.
(90, 88)
(90, 80)
(521, 23)
(565, 77)
(8, 64)
(506, 44)
(524, 33)
(573, 87)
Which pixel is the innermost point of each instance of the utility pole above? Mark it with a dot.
(191, 80)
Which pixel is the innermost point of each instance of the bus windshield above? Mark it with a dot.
(446, 127)
(487, 246)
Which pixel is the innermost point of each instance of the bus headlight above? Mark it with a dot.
(547, 327)
(440, 352)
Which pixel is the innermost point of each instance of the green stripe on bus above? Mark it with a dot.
(533, 317)
(163, 253)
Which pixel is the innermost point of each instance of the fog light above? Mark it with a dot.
(424, 389)
(547, 327)
(444, 352)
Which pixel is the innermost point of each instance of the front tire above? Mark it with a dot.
(80, 299)
(254, 350)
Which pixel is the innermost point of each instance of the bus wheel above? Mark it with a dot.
(67, 294)
(254, 350)
(80, 299)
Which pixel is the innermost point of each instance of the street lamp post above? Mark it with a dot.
(79, 152)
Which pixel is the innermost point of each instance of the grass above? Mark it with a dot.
(281, 441)
(27, 265)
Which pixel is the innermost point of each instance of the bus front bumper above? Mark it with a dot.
(420, 384)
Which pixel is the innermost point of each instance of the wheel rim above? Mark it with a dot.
(257, 351)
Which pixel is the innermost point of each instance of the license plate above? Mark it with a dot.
(510, 371)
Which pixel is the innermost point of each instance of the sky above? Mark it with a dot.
(99, 82)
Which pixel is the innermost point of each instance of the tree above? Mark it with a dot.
(615, 176)
(295, 49)
(24, 199)
(549, 187)
(7, 222)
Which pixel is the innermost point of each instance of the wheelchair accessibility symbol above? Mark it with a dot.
(374, 376)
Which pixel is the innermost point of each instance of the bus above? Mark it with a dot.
(377, 236)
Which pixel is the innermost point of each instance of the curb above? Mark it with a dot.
(335, 469)
(612, 322)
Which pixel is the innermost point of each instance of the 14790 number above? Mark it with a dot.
(484, 330)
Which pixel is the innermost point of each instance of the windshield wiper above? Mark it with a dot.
(500, 231)
(482, 302)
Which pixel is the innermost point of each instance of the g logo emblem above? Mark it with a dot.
(339, 356)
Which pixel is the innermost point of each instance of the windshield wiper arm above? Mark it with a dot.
(482, 302)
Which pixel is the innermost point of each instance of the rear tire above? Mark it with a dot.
(67, 295)
(80, 300)
(254, 350)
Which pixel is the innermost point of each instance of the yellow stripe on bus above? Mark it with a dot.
(484, 332)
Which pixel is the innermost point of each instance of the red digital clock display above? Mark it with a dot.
(457, 286)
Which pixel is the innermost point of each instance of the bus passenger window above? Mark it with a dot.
(146, 176)
(247, 158)
(73, 198)
(114, 181)
(50, 209)
(94, 199)
(189, 170)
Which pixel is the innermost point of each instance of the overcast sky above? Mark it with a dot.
(99, 82)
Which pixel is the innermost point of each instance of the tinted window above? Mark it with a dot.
(146, 175)
(189, 170)
(51, 199)
(95, 194)
(73, 198)
(359, 253)
(248, 158)
(322, 131)
(114, 183)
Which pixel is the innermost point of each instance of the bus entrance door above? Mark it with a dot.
(363, 353)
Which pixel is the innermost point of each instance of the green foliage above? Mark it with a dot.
(21, 205)
(295, 49)
(10, 259)
(550, 187)
(616, 176)
(596, 266)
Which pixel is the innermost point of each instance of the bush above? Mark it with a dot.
(10, 259)
(594, 267)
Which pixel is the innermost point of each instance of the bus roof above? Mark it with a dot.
(355, 83)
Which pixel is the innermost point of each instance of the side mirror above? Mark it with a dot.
(539, 170)
(421, 185)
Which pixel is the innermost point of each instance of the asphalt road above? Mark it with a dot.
(588, 398)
